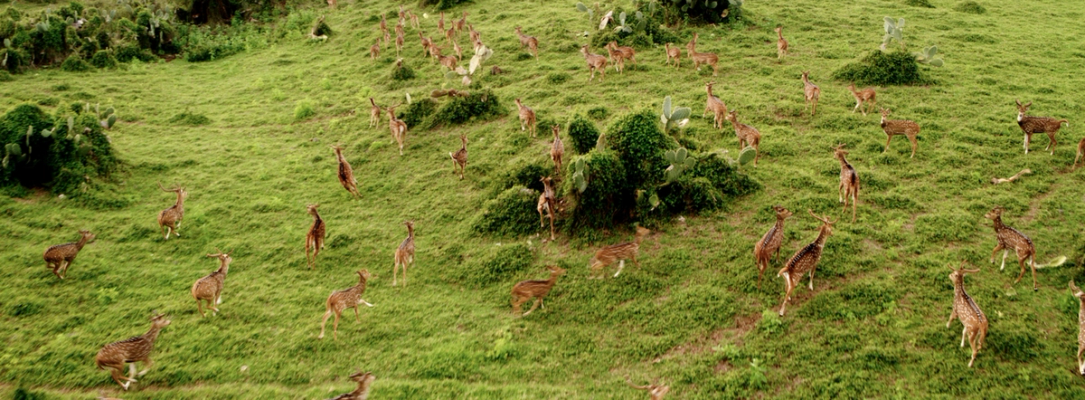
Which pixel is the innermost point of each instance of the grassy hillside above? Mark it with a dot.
(691, 314)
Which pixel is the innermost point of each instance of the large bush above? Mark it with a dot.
(479, 105)
(709, 12)
(608, 198)
(417, 112)
(883, 68)
(511, 213)
(60, 154)
(640, 143)
(501, 263)
(583, 134)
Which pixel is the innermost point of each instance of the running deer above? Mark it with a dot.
(1012, 239)
(530, 42)
(398, 127)
(595, 63)
(965, 309)
(805, 260)
(131, 350)
(527, 117)
(404, 254)
(673, 53)
(1081, 327)
(899, 127)
(770, 243)
(811, 91)
(441, 22)
(60, 257)
(1080, 151)
(341, 300)
(460, 156)
(346, 173)
(461, 23)
(781, 43)
(701, 58)
(374, 114)
(537, 289)
(849, 181)
(617, 252)
(364, 380)
(384, 29)
(476, 36)
(716, 106)
(747, 135)
(548, 203)
(866, 95)
(399, 43)
(315, 238)
(619, 54)
(557, 150)
(169, 220)
(655, 390)
(375, 49)
(1030, 125)
(448, 61)
(209, 288)
(414, 20)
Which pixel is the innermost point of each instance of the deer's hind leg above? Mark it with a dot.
(1081, 364)
(952, 315)
(147, 363)
(538, 300)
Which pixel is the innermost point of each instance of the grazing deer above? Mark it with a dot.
(548, 203)
(616, 252)
(866, 95)
(131, 350)
(965, 309)
(557, 150)
(1081, 327)
(460, 156)
(448, 61)
(622, 53)
(701, 58)
(781, 43)
(770, 243)
(341, 300)
(169, 220)
(716, 106)
(398, 128)
(747, 135)
(655, 390)
(315, 238)
(1030, 125)
(364, 380)
(595, 63)
(1009, 238)
(60, 257)
(673, 53)
(209, 288)
(899, 127)
(805, 260)
(375, 49)
(811, 91)
(346, 173)
(849, 181)
(404, 254)
(537, 289)
(374, 114)
(1080, 151)
(530, 42)
(527, 117)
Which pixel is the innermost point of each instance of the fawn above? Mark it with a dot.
(965, 309)
(170, 219)
(747, 135)
(527, 117)
(398, 128)
(537, 289)
(811, 91)
(404, 254)
(346, 173)
(701, 58)
(530, 42)
(805, 260)
(619, 54)
(557, 150)
(340, 300)
(866, 95)
(315, 238)
(1009, 238)
(414, 20)
(781, 43)
(770, 243)
(374, 114)
(849, 181)
(673, 53)
(548, 203)
(364, 380)
(450, 34)
(1031, 125)
(1080, 151)
(60, 257)
(716, 106)
(375, 49)
(460, 156)
(655, 390)
(617, 252)
(1081, 327)
(131, 350)
(595, 63)
(209, 288)
(456, 48)
(899, 127)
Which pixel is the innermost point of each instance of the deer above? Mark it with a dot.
(770, 243)
(341, 300)
(716, 106)
(747, 135)
(623, 53)
(399, 43)
(673, 53)
(375, 49)
(426, 43)
(450, 35)
(1030, 125)
(849, 181)
(899, 127)
(476, 36)
(346, 173)
(548, 203)
(595, 63)
(527, 117)
(456, 48)
(414, 20)
(781, 43)
(866, 95)
(404, 254)
(965, 309)
(384, 29)
(131, 350)
(441, 22)
(537, 289)
(209, 288)
(1009, 238)
(460, 156)
(364, 380)
(701, 58)
(448, 61)
(805, 260)
(374, 114)
(1081, 327)
(617, 252)
(60, 257)
(169, 220)
(314, 239)
(1080, 152)
(531, 42)
(461, 23)
(811, 91)
(615, 57)
(399, 28)
(655, 390)
(398, 127)
(557, 150)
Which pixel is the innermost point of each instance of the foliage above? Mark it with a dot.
(680, 161)
(75, 63)
(511, 213)
(103, 59)
(582, 133)
(702, 11)
(723, 176)
(894, 29)
(598, 113)
(190, 119)
(883, 68)
(479, 105)
(40, 150)
(498, 265)
(402, 72)
(674, 118)
(527, 176)
(640, 144)
(303, 109)
(919, 3)
(641, 29)
(608, 198)
(441, 4)
(970, 7)
(929, 56)
(417, 112)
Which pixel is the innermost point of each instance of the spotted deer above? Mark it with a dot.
(1080, 151)
(621, 53)
(866, 95)
(169, 220)
(781, 43)
(747, 135)
(375, 49)
(346, 173)
(849, 181)
(398, 128)
(904, 127)
(617, 252)
(615, 57)
(130, 351)
(450, 35)
(673, 53)
(548, 203)
(374, 114)
(460, 156)
(701, 58)
(399, 43)
(426, 43)
(1012, 239)
(531, 42)
(770, 243)
(384, 29)
(527, 117)
(404, 254)
(341, 300)
(441, 22)
(655, 390)
(448, 61)
(811, 91)
(965, 309)
(364, 380)
(1081, 327)
(557, 150)
(60, 257)
(716, 106)
(595, 63)
(1030, 125)
(537, 289)
(414, 20)
(315, 238)
(461, 23)
(476, 36)
(805, 260)
(209, 288)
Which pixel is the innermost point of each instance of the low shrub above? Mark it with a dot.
(723, 176)
(640, 144)
(103, 59)
(919, 3)
(607, 200)
(74, 63)
(557, 78)
(417, 112)
(970, 7)
(52, 155)
(479, 105)
(598, 113)
(897, 67)
(303, 109)
(402, 72)
(583, 134)
(441, 4)
(707, 12)
(498, 266)
(191, 119)
(129, 53)
(527, 176)
(511, 213)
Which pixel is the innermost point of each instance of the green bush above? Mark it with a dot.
(130, 52)
(883, 68)
(303, 109)
(511, 213)
(598, 113)
(103, 59)
(970, 7)
(640, 144)
(441, 4)
(500, 265)
(557, 78)
(919, 3)
(479, 105)
(321, 28)
(5, 76)
(16, 59)
(723, 176)
(402, 72)
(191, 119)
(608, 198)
(708, 12)
(417, 112)
(583, 134)
(689, 194)
(528, 176)
(75, 64)
(61, 159)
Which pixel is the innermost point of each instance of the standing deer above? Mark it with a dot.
(701, 58)
(770, 243)
(476, 36)
(849, 181)
(904, 127)
(548, 203)
(1030, 125)
(655, 390)
(716, 106)
(805, 260)
(615, 57)
(811, 91)
(1009, 238)
(398, 128)
(404, 254)
(965, 309)
(1081, 327)
(131, 350)
(617, 252)
(441, 22)
(530, 42)
(315, 238)
(673, 53)
(364, 380)
(414, 20)
(866, 95)
(374, 114)
(399, 43)
(557, 150)
(537, 289)
(747, 135)
(781, 43)
(346, 173)
(60, 257)
(527, 117)
(460, 156)
(1080, 151)
(341, 300)
(448, 61)
(209, 288)
(595, 63)
(375, 49)
(619, 54)
(169, 220)
(384, 29)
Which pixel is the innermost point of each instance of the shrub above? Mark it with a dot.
(723, 176)
(303, 109)
(970, 7)
(607, 200)
(130, 52)
(883, 68)
(511, 213)
(402, 72)
(528, 176)
(417, 112)
(919, 3)
(583, 133)
(478, 105)
(640, 144)
(498, 266)
(16, 59)
(5, 76)
(75, 64)
(321, 28)
(187, 118)
(441, 4)
(708, 12)
(557, 78)
(103, 59)
(58, 157)
(598, 113)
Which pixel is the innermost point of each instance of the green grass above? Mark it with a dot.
(691, 314)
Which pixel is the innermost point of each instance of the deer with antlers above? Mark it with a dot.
(130, 351)
(781, 43)
(341, 300)
(617, 252)
(866, 95)
(1009, 238)
(701, 58)
(557, 150)
(364, 380)
(547, 203)
(346, 173)
(531, 42)
(404, 254)
(398, 127)
(209, 288)
(805, 260)
(965, 309)
(770, 243)
(527, 117)
(169, 220)
(747, 135)
(537, 289)
(655, 390)
(595, 63)
(716, 106)
(1081, 327)
(460, 156)
(811, 91)
(1030, 125)
(849, 181)
(314, 240)
(60, 257)
(904, 127)
(673, 53)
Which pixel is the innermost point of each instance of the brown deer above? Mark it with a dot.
(781, 43)
(1009, 238)
(899, 127)
(460, 156)
(60, 257)
(1081, 327)
(811, 91)
(476, 36)
(414, 20)
(527, 117)
(209, 288)
(849, 181)
(557, 150)
(622, 53)
(169, 220)
(595, 63)
(450, 35)
(770, 243)
(384, 29)
(374, 114)
(375, 49)
(346, 173)
(456, 48)
(747, 135)
(615, 57)
(716, 106)
(530, 42)
(404, 254)
(1030, 125)
(537, 289)
(364, 380)
(805, 260)
(1080, 151)
(701, 58)
(655, 390)
(341, 300)
(315, 238)
(617, 252)
(866, 95)
(462, 22)
(399, 28)
(131, 350)
(426, 43)
(673, 53)
(399, 44)
(448, 61)
(965, 309)
(548, 203)
(441, 22)
(398, 127)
